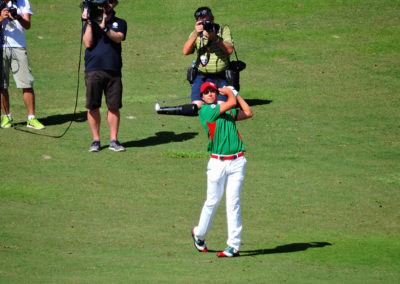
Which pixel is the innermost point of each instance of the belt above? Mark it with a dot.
(224, 157)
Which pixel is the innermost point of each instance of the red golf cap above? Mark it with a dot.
(206, 85)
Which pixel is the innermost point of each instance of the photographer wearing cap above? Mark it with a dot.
(15, 19)
(103, 63)
(214, 46)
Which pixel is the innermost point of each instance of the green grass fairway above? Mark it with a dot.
(322, 191)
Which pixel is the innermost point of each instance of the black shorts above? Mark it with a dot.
(101, 81)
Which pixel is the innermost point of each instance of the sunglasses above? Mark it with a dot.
(210, 90)
(202, 13)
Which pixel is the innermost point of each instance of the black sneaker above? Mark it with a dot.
(95, 147)
(116, 146)
(199, 244)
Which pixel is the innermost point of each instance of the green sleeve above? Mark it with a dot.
(226, 35)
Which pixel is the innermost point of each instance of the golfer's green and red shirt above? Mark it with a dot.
(223, 136)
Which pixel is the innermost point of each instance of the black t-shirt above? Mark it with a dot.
(105, 54)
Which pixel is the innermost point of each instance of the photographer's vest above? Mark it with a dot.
(218, 61)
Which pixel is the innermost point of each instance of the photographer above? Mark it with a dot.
(103, 64)
(15, 19)
(214, 45)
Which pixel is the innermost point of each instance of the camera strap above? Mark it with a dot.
(204, 49)
(234, 49)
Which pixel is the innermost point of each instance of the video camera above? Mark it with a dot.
(93, 10)
(13, 10)
(208, 26)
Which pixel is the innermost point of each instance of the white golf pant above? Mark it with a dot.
(220, 172)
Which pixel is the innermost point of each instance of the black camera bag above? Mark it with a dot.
(191, 74)
(232, 78)
(237, 65)
(232, 73)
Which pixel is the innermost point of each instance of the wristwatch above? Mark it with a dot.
(106, 29)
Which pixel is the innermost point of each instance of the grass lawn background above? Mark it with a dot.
(320, 199)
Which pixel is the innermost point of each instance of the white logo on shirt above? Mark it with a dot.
(115, 25)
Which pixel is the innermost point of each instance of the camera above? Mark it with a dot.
(13, 9)
(93, 10)
(208, 26)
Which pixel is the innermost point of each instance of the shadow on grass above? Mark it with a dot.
(60, 119)
(257, 102)
(162, 137)
(54, 120)
(286, 248)
(283, 249)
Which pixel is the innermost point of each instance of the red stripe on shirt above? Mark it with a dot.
(211, 128)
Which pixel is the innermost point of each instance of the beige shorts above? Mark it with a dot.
(16, 59)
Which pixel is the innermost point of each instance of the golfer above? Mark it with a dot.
(226, 165)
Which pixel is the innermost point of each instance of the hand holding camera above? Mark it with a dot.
(9, 12)
(199, 28)
(93, 11)
(207, 28)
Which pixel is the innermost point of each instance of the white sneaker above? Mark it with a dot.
(199, 244)
(228, 252)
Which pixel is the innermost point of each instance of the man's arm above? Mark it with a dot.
(226, 47)
(24, 20)
(4, 15)
(230, 103)
(88, 35)
(116, 37)
(188, 48)
(245, 112)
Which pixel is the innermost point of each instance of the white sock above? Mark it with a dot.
(7, 115)
(31, 117)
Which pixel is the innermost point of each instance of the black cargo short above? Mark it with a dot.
(101, 81)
